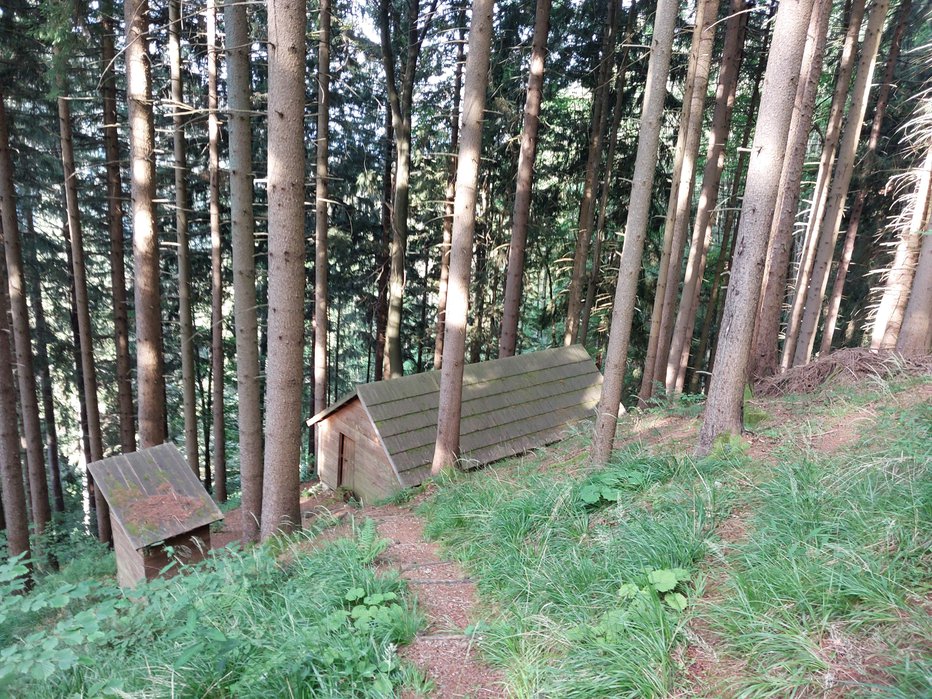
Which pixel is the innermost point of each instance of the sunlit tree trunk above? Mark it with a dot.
(593, 159)
(635, 230)
(764, 351)
(381, 257)
(899, 277)
(708, 198)
(915, 335)
(724, 411)
(150, 377)
(447, 240)
(115, 230)
(826, 164)
(283, 374)
(514, 282)
(464, 222)
(866, 167)
(684, 169)
(321, 262)
(841, 179)
(22, 340)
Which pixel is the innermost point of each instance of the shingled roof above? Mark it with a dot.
(509, 406)
(154, 494)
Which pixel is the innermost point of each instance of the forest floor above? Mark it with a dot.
(795, 561)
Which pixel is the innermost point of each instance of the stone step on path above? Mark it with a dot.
(447, 597)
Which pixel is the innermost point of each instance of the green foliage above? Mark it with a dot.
(626, 477)
(246, 624)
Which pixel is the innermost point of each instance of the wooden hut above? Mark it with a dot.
(380, 438)
(158, 508)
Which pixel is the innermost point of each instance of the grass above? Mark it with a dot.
(553, 564)
(289, 619)
(825, 589)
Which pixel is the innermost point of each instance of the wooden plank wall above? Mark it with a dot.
(370, 476)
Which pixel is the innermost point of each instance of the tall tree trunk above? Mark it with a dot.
(522, 207)
(216, 260)
(708, 198)
(593, 159)
(724, 411)
(85, 334)
(826, 164)
(41, 512)
(764, 355)
(450, 193)
(381, 258)
(702, 59)
(592, 282)
(150, 377)
(15, 515)
(287, 51)
(400, 102)
(320, 205)
(899, 277)
(841, 179)
(42, 361)
(867, 165)
(635, 230)
(481, 281)
(186, 321)
(115, 230)
(464, 223)
(687, 145)
(915, 336)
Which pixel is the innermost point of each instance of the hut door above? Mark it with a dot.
(345, 463)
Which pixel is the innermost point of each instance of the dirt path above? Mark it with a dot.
(442, 651)
(447, 597)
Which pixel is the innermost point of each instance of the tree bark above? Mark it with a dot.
(464, 222)
(635, 230)
(85, 334)
(115, 229)
(724, 412)
(25, 373)
(450, 193)
(382, 261)
(687, 144)
(216, 260)
(320, 205)
(841, 179)
(592, 282)
(287, 51)
(186, 321)
(711, 177)
(15, 515)
(150, 377)
(593, 159)
(915, 336)
(702, 58)
(400, 103)
(764, 352)
(899, 277)
(514, 282)
(867, 165)
(826, 163)
(42, 361)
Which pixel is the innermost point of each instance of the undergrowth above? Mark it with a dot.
(588, 574)
(293, 619)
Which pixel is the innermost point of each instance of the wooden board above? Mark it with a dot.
(154, 494)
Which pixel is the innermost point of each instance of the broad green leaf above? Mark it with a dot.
(662, 580)
(675, 600)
